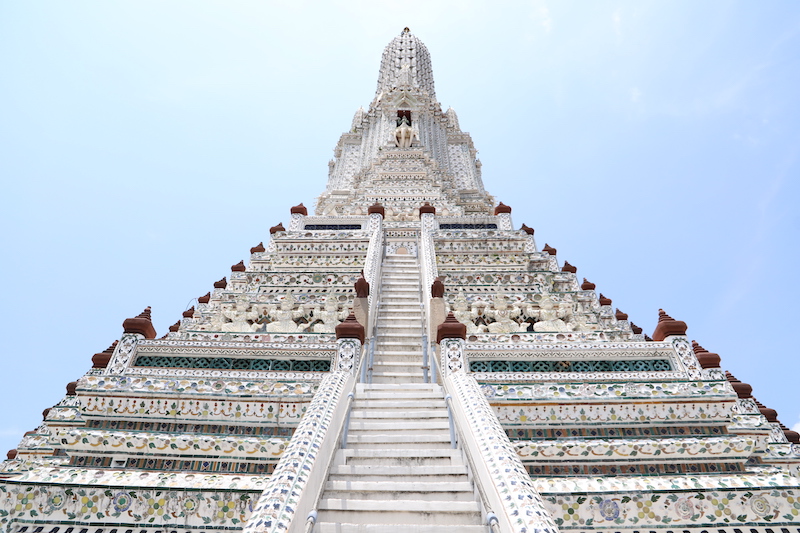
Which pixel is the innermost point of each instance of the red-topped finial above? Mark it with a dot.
(743, 390)
(603, 300)
(221, 284)
(620, 315)
(140, 324)
(501, 208)
(437, 288)
(258, 248)
(350, 329)
(526, 229)
(636, 329)
(668, 326)
(362, 287)
(239, 267)
(549, 249)
(791, 435)
(770, 414)
(376, 208)
(275, 229)
(569, 268)
(587, 285)
(189, 313)
(175, 327)
(101, 359)
(427, 208)
(72, 387)
(205, 298)
(704, 357)
(451, 328)
(299, 210)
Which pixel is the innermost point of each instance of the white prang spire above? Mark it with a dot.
(405, 62)
(403, 150)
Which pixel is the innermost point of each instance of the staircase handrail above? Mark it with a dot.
(295, 487)
(427, 265)
(504, 484)
(372, 273)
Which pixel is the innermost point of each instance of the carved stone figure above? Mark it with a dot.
(550, 314)
(404, 134)
(283, 317)
(465, 315)
(242, 316)
(504, 315)
(330, 317)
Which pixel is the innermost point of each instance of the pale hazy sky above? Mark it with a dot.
(145, 146)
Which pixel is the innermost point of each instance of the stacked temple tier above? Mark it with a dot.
(404, 360)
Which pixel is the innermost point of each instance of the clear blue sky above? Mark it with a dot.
(145, 146)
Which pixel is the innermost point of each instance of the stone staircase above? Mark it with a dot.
(398, 343)
(398, 472)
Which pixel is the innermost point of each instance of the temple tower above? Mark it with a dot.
(404, 360)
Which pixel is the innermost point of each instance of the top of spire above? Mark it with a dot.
(406, 62)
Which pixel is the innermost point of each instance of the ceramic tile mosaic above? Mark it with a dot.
(724, 448)
(179, 445)
(522, 504)
(275, 509)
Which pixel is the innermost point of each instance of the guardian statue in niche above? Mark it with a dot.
(465, 315)
(283, 317)
(242, 316)
(404, 134)
(330, 317)
(504, 316)
(550, 316)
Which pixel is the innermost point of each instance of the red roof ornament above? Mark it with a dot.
(569, 268)
(140, 324)
(704, 357)
(427, 208)
(587, 285)
(71, 388)
(620, 315)
(101, 359)
(526, 229)
(258, 248)
(603, 300)
(743, 390)
(791, 436)
(350, 329)
(299, 210)
(12, 454)
(501, 208)
(221, 284)
(549, 249)
(770, 414)
(376, 208)
(205, 298)
(362, 287)
(275, 229)
(451, 328)
(668, 326)
(175, 327)
(636, 329)
(238, 267)
(437, 288)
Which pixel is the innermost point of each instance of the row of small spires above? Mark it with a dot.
(450, 328)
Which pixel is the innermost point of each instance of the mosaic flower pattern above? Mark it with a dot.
(144, 506)
(522, 504)
(275, 509)
(699, 508)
